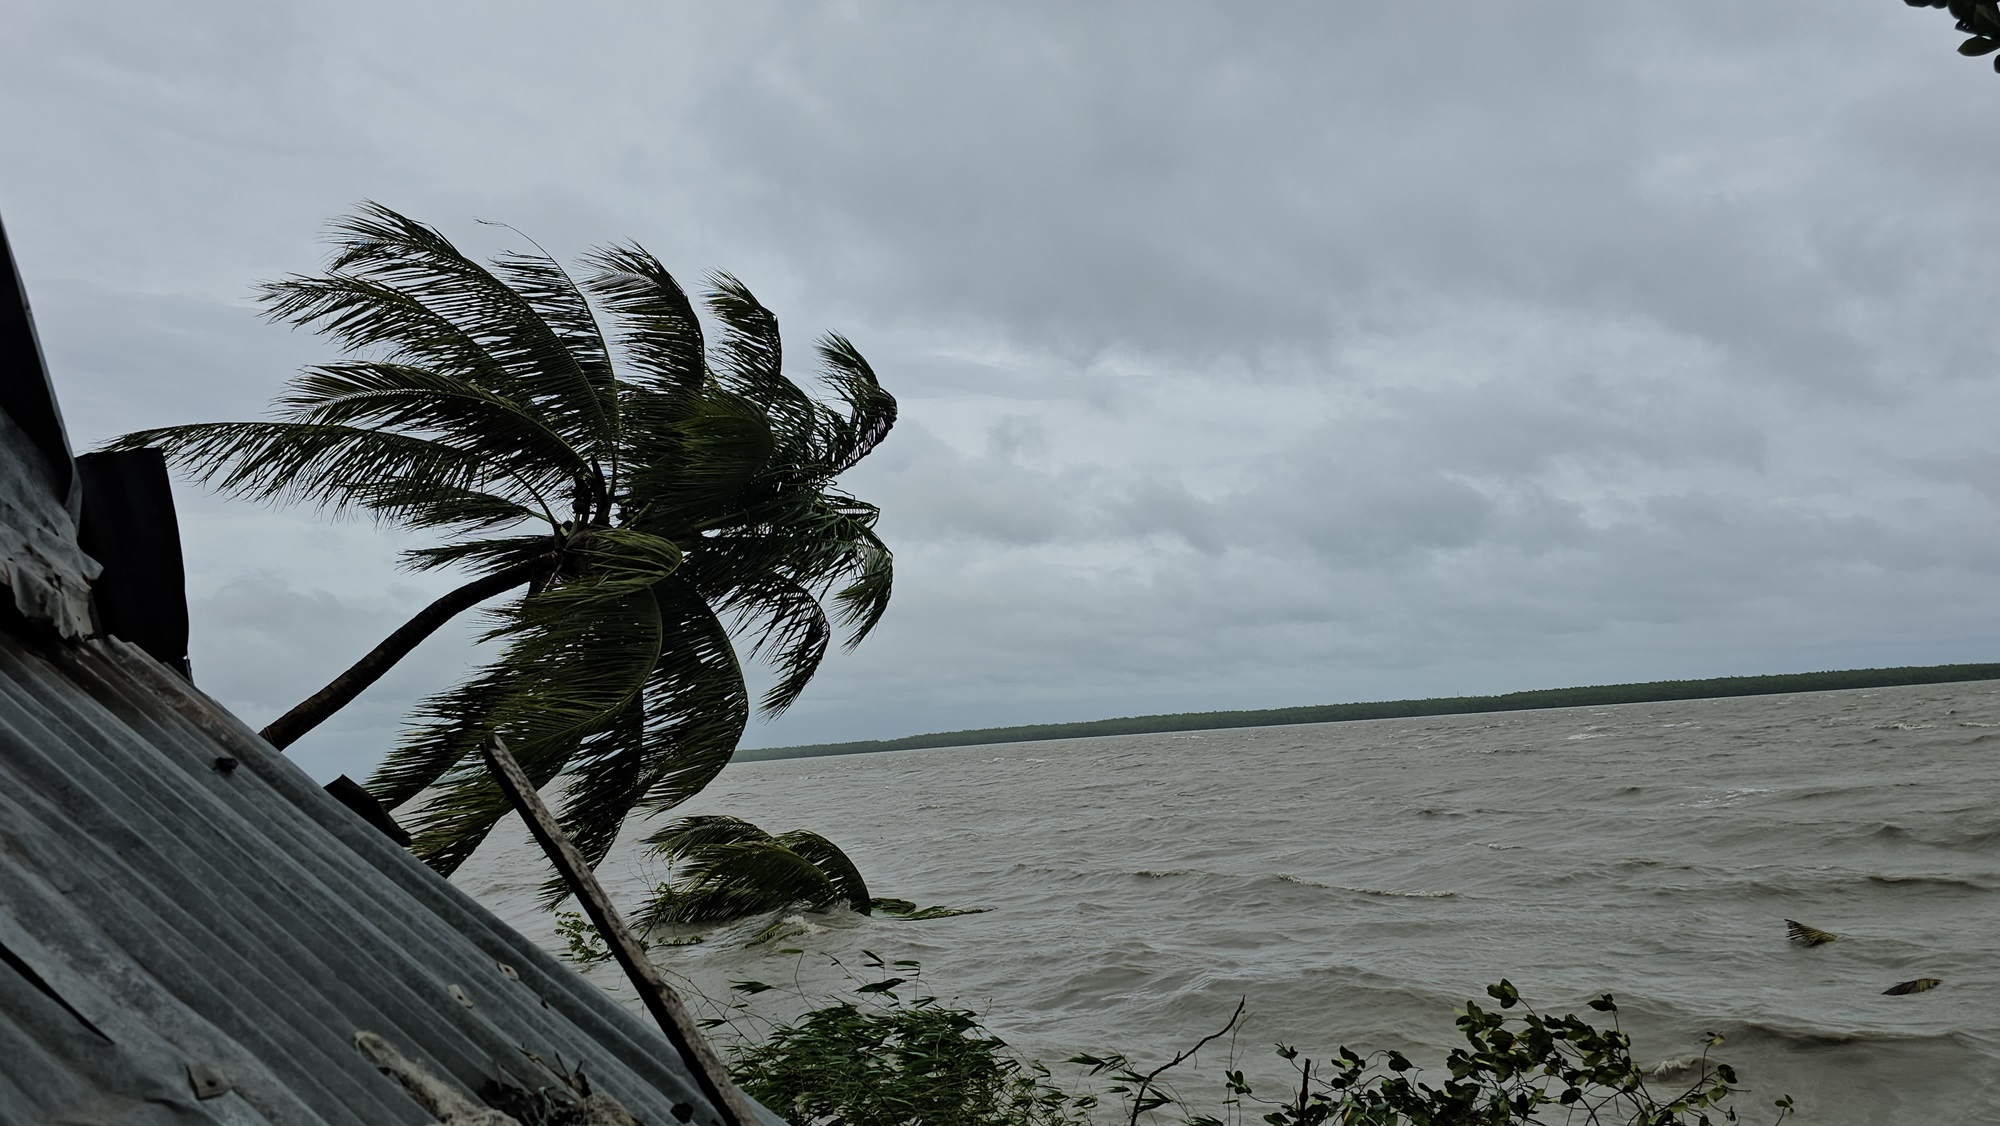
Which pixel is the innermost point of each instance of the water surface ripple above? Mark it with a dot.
(1357, 880)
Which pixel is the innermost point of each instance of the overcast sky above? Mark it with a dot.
(1250, 355)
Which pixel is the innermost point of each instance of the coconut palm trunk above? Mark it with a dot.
(314, 710)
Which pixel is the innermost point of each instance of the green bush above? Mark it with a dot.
(882, 1059)
(879, 1059)
(1513, 1071)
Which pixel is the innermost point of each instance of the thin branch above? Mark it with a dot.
(1139, 1096)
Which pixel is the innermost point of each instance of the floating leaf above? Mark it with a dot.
(1915, 985)
(906, 909)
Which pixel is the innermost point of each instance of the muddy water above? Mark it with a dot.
(1355, 881)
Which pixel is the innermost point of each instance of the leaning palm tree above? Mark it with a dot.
(645, 493)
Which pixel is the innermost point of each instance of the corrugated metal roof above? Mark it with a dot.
(191, 930)
(158, 911)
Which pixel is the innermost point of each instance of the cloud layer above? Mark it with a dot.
(1340, 352)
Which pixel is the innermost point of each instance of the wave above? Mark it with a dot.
(1953, 883)
(1289, 878)
(1818, 1036)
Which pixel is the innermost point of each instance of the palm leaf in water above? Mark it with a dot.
(1915, 985)
(1811, 936)
(728, 868)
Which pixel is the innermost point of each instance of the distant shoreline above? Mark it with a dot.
(1647, 692)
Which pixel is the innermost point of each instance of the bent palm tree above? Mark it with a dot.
(644, 507)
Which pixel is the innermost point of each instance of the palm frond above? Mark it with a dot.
(591, 405)
(750, 356)
(790, 627)
(740, 878)
(660, 336)
(452, 509)
(725, 868)
(332, 467)
(816, 540)
(696, 704)
(1811, 936)
(534, 363)
(863, 602)
(686, 834)
(578, 656)
(841, 874)
(399, 398)
(481, 555)
(703, 470)
(871, 411)
(625, 557)
(367, 316)
(447, 730)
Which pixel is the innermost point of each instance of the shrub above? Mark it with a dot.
(883, 1059)
(879, 1059)
(1513, 1071)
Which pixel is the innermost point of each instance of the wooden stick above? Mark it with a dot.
(659, 998)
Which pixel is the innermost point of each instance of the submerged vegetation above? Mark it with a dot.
(725, 868)
(1647, 692)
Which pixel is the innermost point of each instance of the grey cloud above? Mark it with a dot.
(1342, 351)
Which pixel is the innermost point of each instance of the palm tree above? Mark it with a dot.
(645, 493)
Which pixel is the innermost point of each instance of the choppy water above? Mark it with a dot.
(1355, 881)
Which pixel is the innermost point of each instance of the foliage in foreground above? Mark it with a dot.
(879, 1059)
(882, 1059)
(1979, 18)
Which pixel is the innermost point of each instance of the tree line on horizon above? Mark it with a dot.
(1642, 692)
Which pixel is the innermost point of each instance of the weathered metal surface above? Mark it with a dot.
(192, 931)
(24, 381)
(39, 560)
(172, 916)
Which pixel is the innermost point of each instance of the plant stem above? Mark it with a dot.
(311, 712)
(1146, 1082)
